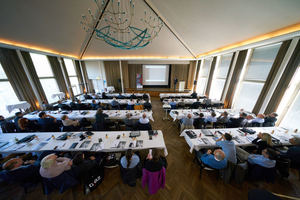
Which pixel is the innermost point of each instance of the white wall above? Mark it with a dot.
(96, 73)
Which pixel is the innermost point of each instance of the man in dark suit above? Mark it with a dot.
(175, 82)
(237, 122)
(133, 96)
(147, 105)
(270, 119)
(196, 104)
(18, 115)
(194, 95)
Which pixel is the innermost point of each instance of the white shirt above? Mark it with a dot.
(257, 120)
(69, 122)
(131, 103)
(210, 119)
(144, 120)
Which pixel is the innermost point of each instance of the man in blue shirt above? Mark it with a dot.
(216, 160)
(47, 122)
(264, 160)
(228, 147)
(115, 104)
(173, 104)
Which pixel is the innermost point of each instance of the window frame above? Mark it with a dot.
(72, 76)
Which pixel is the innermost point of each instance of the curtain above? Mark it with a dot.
(79, 75)
(210, 76)
(274, 70)
(191, 73)
(228, 74)
(88, 84)
(235, 78)
(17, 77)
(284, 81)
(58, 74)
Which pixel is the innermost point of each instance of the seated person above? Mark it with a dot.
(270, 120)
(73, 105)
(53, 166)
(6, 126)
(86, 96)
(263, 141)
(181, 103)
(145, 96)
(237, 122)
(293, 153)
(194, 95)
(60, 104)
(47, 122)
(26, 125)
(173, 104)
(223, 118)
(144, 119)
(45, 106)
(196, 104)
(16, 170)
(130, 160)
(207, 103)
(115, 104)
(138, 105)
(187, 122)
(129, 123)
(133, 96)
(81, 106)
(120, 96)
(82, 164)
(215, 160)
(259, 119)
(104, 95)
(130, 105)
(228, 146)
(264, 160)
(155, 161)
(68, 122)
(211, 119)
(100, 123)
(18, 115)
(147, 105)
(94, 105)
(199, 122)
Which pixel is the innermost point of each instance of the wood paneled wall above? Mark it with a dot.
(181, 72)
(192, 71)
(134, 69)
(112, 72)
(125, 74)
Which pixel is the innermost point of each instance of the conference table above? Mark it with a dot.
(206, 138)
(214, 102)
(100, 141)
(178, 95)
(90, 114)
(182, 113)
(112, 95)
(104, 101)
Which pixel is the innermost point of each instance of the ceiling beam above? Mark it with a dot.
(94, 29)
(155, 10)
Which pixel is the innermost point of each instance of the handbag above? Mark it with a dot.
(94, 179)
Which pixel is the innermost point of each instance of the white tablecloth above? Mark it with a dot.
(195, 113)
(166, 95)
(78, 114)
(127, 95)
(109, 139)
(191, 101)
(21, 105)
(105, 101)
(239, 138)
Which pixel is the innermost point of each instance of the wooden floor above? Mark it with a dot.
(182, 180)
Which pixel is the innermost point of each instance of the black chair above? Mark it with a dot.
(69, 128)
(144, 127)
(258, 172)
(256, 124)
(129, 175)
(206, 167)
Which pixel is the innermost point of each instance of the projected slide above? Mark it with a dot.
(155, 75)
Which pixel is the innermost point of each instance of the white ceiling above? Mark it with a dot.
(203, 25)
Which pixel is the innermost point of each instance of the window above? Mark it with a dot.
(289, 107)
(255, 76)
(72, 76)
(203, 76)
(7, 94)
(45, 74)
(219, 78)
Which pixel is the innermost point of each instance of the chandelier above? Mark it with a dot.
(115, 23)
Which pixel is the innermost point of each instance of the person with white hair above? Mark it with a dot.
(293, 153)
(53, 166)
(216, 159)
(144, 119)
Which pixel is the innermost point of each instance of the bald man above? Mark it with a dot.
(216, 159)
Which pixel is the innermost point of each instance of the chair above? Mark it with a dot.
(258, 172)
(138, 107)
(256, 124)
(129, 175)
(144, 127)
(69, 128)
(130, 107)
(154, 180)
(206, 167)
(61, 183)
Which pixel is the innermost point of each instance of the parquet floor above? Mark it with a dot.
(182, 180)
